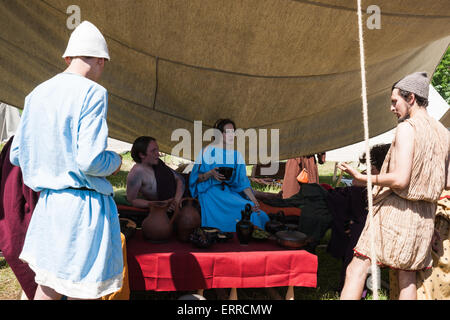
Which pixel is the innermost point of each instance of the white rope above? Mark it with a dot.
(375, 284)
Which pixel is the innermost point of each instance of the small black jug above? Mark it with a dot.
(244, 228)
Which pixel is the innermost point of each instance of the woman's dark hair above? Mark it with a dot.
(377, 155)
(221, 123)
(140, 146)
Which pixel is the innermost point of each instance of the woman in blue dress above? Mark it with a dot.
(223, 200)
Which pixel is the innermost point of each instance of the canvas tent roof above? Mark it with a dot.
(291, 65)
(437, 107)
(446, 119)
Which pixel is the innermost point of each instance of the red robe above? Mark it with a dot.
(17, 203)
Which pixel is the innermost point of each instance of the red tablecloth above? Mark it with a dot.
(175, 266)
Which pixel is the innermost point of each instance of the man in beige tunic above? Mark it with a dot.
(412, 178)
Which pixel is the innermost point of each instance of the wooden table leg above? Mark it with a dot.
(233, 294)
(290, 293)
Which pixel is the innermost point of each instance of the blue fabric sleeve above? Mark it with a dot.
(92, 158)
(240, 181)
(201, 166)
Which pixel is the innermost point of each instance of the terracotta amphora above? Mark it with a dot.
(157, 227)
(188, 218)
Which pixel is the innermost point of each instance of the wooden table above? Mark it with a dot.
(174, 266)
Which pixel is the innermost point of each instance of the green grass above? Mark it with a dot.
(9, 286)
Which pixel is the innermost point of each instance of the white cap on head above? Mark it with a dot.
(87, 41)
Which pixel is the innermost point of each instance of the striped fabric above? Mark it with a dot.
(434, 283)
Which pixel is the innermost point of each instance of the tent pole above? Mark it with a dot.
(335, 171)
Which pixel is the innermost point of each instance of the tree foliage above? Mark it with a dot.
(441, 77)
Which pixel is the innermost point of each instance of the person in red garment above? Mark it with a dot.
(294, 166)
(17, 203)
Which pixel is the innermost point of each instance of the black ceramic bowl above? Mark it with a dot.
(204, 237)
(227, 172)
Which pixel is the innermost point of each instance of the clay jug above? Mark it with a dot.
(157, 227)
(188, 218)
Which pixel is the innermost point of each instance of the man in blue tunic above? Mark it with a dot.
(73, 240)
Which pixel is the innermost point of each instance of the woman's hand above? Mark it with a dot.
(210, 174)
(249, 193)
(216, 175)
(256, 207)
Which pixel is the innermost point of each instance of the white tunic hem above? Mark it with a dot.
(68, 288)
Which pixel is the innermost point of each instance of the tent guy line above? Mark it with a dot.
(373, 257)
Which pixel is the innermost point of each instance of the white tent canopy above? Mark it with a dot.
(9, 121)
(437, 107)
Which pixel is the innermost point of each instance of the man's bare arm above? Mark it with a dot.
(134, 183)
(399, 175)
(178, 193)
(180, 187)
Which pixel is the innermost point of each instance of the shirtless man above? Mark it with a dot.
(142, 180)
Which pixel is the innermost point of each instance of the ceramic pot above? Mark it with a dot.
(157, 227)
(291, 238)
(227, 172)
(188, 218)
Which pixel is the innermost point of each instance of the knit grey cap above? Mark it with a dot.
(417, 83)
